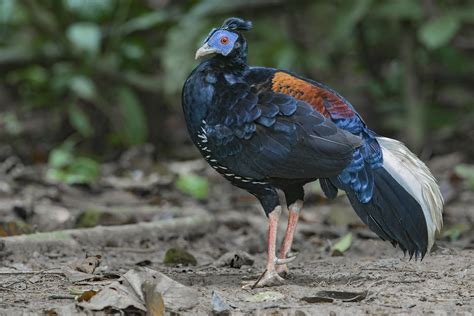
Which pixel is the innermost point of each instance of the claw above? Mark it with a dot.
(280, 264)
(280, 261)
(267, 278)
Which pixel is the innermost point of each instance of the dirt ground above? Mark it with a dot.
(31, 280)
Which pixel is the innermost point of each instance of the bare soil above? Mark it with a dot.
(31, 281)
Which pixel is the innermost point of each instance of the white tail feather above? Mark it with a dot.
(416, 178)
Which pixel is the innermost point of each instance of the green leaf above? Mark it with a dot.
(342, 245)
(36, 75)
(80, 121)
(7, 8)
(438, 32)
(59, 158)
(134, 128)
(399, 9)
(194, 185)
(347, 19)
(89, 8)
(82, 170)
(65, 166)
(466, 172)
(144, 22)
(89, 218)
(83, 87)
(11, 123)
(133, 51)
(85, 37)
(455, 231)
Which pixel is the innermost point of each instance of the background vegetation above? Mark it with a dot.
(98, 76)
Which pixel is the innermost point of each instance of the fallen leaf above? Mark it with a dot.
(218, 304)
(331, 296)
(317, 299)
(14, 228)
(89, 264)
(128, 291)
(77, 276)
(342, 245)
(154, 303)
(143, 263)
(86, 296)
(35, 278)
(264, 296)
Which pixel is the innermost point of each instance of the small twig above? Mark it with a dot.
(407, 281)
(258, 280)
(133, 250)
(391, 306)
(374, 294)
(32, 272)
(61, 297)
(395, 270)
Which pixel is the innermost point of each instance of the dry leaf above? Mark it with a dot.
(86, 296)
(154, 303)
(128, 292)
(331, 296)
(89, 264)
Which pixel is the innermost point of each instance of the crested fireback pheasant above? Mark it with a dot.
(267, 129)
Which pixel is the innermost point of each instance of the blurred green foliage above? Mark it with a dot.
(342, 245)
(65, 166)
(454, 232)
(194, 185)
(466, 172)
(98, 68)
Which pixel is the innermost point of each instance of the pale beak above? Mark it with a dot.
(205, 50)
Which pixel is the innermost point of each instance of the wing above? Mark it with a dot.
(359, 173)
(261, 134)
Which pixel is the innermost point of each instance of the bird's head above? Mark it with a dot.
(226, 40)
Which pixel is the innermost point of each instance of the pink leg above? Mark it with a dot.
(270, 277)
(272, 235)
(293, 216)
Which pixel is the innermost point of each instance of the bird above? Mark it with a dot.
(268, 130)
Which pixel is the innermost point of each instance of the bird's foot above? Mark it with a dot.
(268, 278)
(282, 269)
(281, 264)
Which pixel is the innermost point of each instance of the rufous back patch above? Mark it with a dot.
(283, 82)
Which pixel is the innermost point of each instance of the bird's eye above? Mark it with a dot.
(224, 40)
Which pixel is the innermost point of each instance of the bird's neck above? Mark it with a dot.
(232, 63)
(237, 60)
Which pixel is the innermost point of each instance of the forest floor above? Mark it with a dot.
(41, 273)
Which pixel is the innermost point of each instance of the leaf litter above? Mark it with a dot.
(140, 286)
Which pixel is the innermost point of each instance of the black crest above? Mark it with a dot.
(234, 24)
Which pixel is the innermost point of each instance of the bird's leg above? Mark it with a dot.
(293, 216)
(270, 277)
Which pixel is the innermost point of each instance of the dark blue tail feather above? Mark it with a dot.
(392, 213)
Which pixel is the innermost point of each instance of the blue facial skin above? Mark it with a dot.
(215, 41)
